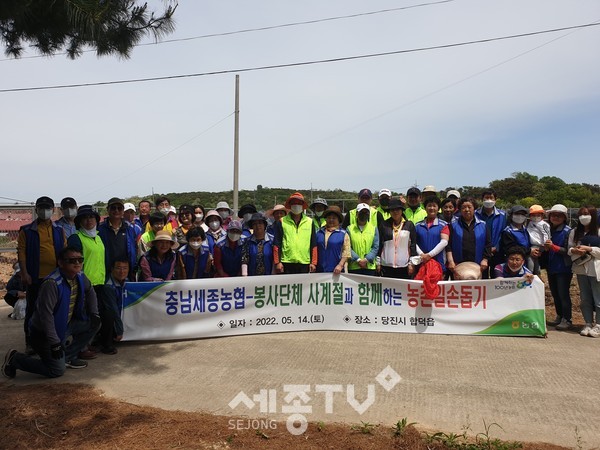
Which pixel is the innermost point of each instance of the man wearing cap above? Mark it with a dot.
(295, 243)
(364, 242)
(384, 200)
(63, 323)
(365, 196)
(245, 214)
(38, 246)
(118, 237)
(414, 211)
(495, 221)
(257, 252)
(333, 243)
(398, 243)
(68, 207)
(318, 207)
(225, 212)
(129, 216)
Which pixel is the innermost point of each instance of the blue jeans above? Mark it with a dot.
(589, 292)
(559, 287)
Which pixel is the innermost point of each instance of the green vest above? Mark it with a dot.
(372, 219)
(93, 258)
(295, 245)
(361, 242)
(416, 216)
(386, 214)
(319, 222)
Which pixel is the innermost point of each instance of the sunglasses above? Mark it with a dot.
(74, 260)
(116, 208)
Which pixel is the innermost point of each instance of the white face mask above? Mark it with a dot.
(319, 213)
(234, 237)
(44, 214)
(518, 219)
(199, 216)
(195, 245)
(489, 203)
(247, 217)
(224, 214)
(69, 213)
(91, 233)
(165, 211)
(585, 220)
(296, 209)
(536, 219)
(214, 225)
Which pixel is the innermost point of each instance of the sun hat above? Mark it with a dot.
(260, 217)
(429, 188)
(536, 209)
(558, 208)
(334, 210)
(164, 235)
(296, 196)
(223, 205)
(85, 210)
(319, 201)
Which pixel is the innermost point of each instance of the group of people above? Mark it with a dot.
(74, 269)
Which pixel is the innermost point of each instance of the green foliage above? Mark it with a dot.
(401, 426)
(482, 441)
(364, 428)
(111, 27)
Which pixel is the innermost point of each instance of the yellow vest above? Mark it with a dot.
(295, 243)
(361, 242)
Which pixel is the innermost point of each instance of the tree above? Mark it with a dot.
(109, 26)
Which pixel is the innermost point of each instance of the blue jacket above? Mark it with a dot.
(32, 246)
(231, 258)
(495, 223)
(130, 232)
(429, 237)
(330, 256)
(190, 263)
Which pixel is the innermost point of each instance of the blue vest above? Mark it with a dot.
(329, 257)
(158, 269)
(557, 262)
(253, 254)
(231, 258)
(190, 263)
(457, 240)
(495, 223)
(428, 238)
(32, 247)
(61, 310)
(521, 236)
(104, 229)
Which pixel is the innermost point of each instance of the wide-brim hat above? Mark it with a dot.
(334, 210)
(164, 235)
(85, 210)
(467, 271)
(269, 213)
(296, 196)
(223, 205)
(319, 201)
(536, 209)
(257, 217)
(558, 208)
(247, 208)
(213, 213)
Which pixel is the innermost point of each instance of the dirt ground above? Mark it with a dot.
(67, 416)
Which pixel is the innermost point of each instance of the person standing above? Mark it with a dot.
(559, 265)
(194, 259)
(257, 251)
(398, 243)
(68, 207)
(432, 234)
(318, 207)
(144, 206)
(295, 243)
(495, 221)
(414, 211)
(228, 252)
(333, 243)
(38, 246)
(584, 249)
(364, 242)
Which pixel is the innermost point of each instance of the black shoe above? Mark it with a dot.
(76, 364)
(8, 370)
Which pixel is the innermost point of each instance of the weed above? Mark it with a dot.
(320, 425)
(261, 434)
(364, 428)
(401, 426)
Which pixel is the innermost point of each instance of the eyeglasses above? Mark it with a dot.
(116, 208)
(73, 260)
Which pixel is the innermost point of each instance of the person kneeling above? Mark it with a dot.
(63, 323)
(514, 267)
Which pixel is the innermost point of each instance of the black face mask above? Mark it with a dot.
(363, 217)
(384, 201)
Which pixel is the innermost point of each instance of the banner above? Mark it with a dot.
(214, 307)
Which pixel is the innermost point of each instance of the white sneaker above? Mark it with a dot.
(564, 325)
(586, 330)
(594, 332)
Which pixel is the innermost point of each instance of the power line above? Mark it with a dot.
(252, 30)
(304, 63)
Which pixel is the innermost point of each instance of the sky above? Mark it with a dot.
(448, 117)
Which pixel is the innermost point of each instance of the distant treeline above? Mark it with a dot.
(521, 188)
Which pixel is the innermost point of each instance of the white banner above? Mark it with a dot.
(189, 309)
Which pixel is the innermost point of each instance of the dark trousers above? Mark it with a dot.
(295, 268)
(559, 288)
(395, 272)
(31, 298)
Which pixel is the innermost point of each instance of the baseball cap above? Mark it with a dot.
(453, 192)
(385, 192)
(413, 191)
(365, 193)
(44, 202)
(129, 206)
(68, 202)
(115, 201)
(396, 204)
(536, 209)
(362, 206)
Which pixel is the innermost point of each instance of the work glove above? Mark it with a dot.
(57, 351)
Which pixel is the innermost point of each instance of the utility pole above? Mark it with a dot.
(236, 145)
